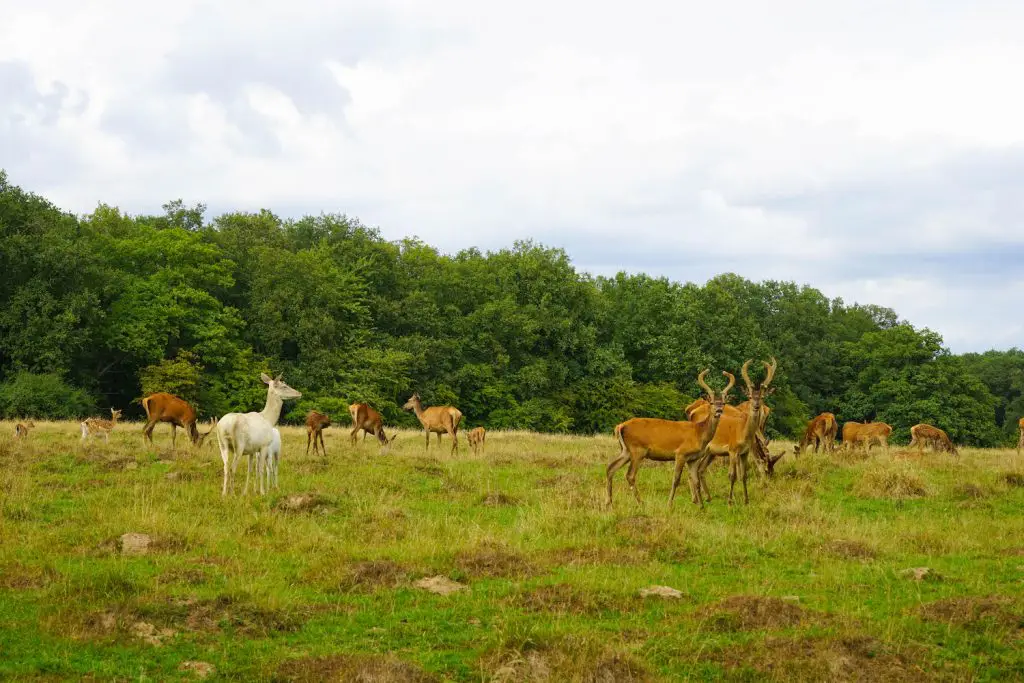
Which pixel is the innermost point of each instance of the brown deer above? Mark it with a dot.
(164, 407)
(436, 419)
(736, 437)
(922, 434)
(476, 439)
(365, 418)
(660, 440)
(96, 425)
(21, 429)
(821, 431)
(1020, 441)
(762, 457)
(315, 425)
(867, 434)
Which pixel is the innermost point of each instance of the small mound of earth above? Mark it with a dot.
(303, 502)
(921, 574)
(563, 598)
(440, 585)
(573, 557)
(352, 668)
(752, 613)
(373, 574)
(199, 669)
(23, 577)
(498, 500)
(150, 634)
(970, 612)
(853, 550)
(551, 664)
(493, 561)
(666, 592)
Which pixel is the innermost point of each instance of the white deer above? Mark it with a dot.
(270, 457)
(251, 434)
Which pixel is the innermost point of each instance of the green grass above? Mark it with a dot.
(803, 584)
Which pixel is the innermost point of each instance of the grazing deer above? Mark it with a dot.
(21, 429)
(365, 418)
(867, 434)
(821, 431)
(1020, 441)
(315, 425)
(202, 437)
(684, 442)
(476, 439)
(922, 434)
(96, 425)
(437, 419)
(164, 407)
(736, 437)
(250, 434)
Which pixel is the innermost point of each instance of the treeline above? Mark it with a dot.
(98, 310)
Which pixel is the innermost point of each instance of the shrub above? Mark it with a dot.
(43, 396)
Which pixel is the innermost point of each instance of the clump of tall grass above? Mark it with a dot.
(893, 480)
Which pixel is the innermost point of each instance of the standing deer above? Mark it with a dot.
(1020, 441)
(736, 437)
(684, 442)
(365, 418)
(96, 425)
(476, 439)
(250, 434)
(315, 425)
(922, 434)
(821, 431)
(164, 407)
(437, 419)
(866, 434)
(269, 459)
(764, 459)
(21, 429)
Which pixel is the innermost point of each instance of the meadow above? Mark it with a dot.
(324, 578)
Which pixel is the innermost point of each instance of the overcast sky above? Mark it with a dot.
(870, 149)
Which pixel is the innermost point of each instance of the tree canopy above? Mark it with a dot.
(98, 309)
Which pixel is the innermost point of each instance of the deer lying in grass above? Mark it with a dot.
(365, 418)
(736, 437)
(922, 434)
(164, 407)
(867, 434)
(249, 434)
(95, 425)
(315, 425)
(437, 419)
(684, 442)
(21, 429)
(821, 431)
(476, 439)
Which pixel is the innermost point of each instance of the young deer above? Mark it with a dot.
(21, 429)
(365, 418)
(94, 425)
(315, 425)
(476, 439)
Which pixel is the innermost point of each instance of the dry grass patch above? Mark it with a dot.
(354, 668)
(498, 500)
(893, 481)
(372, 575)
(492, 560)
(849, 658)
(754, 613)
(850, 550)
(18, 576)
(970, 491)
(304, 502)
(562, 598)
(574, 557)
(571, 660)
(975, 613)
(1013, 478)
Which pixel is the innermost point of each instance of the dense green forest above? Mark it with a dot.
(98, 309)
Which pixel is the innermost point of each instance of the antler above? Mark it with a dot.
(770, 370)
(746, 376)
(704, 386)
(730, 385)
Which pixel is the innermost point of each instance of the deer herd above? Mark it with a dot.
(713, 428)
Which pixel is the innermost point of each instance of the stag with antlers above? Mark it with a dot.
(736, 437)
(437, 419)
(683, 442)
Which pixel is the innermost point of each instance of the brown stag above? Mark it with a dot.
(96, 425)
(764, 459)
(21, 429)
(164, 407)
(436, 419)
(315, 425)
(922, 434)
(867, 434)
(821, 431)
(736, 437)
(370, 421)
(684, 442)
(476, 439)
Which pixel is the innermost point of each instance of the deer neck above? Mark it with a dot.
(417, 408)
(751, 426)
(272, 411)
(708, 426)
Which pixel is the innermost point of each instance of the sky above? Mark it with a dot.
(873, 150)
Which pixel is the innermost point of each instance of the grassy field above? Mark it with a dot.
(806, 583)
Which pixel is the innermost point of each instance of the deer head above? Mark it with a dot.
(115, 414)
(277, 386)
(412, 403)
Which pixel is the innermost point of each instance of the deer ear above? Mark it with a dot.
(280, 377)
(266, 378)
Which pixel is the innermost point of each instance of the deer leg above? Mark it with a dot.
(610, 471)
(733, 473)
(702, 469)
(677, 475)
(743, 472)
(309, 439)
(455, 441)
(634, 465)
(693, 471)
(147, 431)
(323, 449)
(427, 446)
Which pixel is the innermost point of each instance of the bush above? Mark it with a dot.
(43, 396)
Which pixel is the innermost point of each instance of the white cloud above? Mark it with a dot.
(855, 146)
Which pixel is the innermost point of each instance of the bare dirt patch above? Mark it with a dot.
(192, 576)
(440, 585)
(356, 668)
(372, 575)
(563, 598)
(754, 613)
(850, 658)
(850, 550)
(492, 560)
(975, 613)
